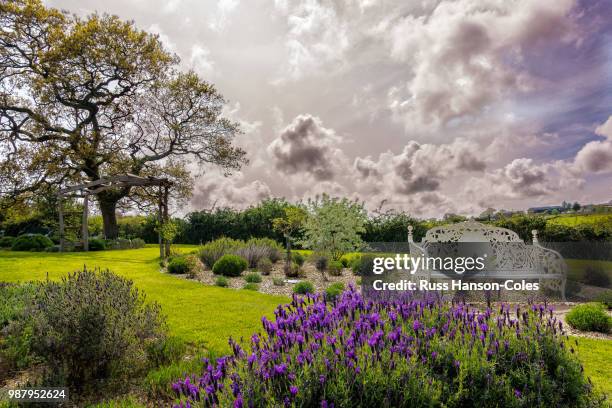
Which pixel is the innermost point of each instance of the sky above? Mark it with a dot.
(431, 107)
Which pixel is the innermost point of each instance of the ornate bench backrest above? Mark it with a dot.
(470, 231)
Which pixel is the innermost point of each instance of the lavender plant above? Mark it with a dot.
(395, 352)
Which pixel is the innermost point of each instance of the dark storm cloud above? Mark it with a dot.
(305, 146)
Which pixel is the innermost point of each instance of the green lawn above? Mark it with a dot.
(200, 314)
(596, 357)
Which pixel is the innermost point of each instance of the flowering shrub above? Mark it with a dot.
(395, 353)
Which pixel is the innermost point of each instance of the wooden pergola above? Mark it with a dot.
(84, 190)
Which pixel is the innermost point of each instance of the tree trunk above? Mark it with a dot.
(109, 217)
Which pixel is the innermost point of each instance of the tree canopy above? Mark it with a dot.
(85, 98)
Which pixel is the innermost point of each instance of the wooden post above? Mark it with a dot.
(166, 218)
(60, 210)
(160, 222)
(85, 227)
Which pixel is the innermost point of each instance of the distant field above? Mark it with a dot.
(578, 219)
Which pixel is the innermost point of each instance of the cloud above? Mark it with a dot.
(466, 54)
(200, 60)
(220, 17)
(305, 146)
(215, 190)
(596, 156)
(420, 167)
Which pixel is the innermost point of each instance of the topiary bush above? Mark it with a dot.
(253, 278)
(230, 265)
(400, 352)
(31, 242)
(251, 286)
(97, 244)
(264, 266)
(303, 288)
(7, 242)
(221, 281)
(589, 317)
(335, 268)
(334, 290)
(212, 251)
(596, 276)
(91, 325)
(605, 298)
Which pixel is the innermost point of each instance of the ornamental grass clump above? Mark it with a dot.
(395, 352)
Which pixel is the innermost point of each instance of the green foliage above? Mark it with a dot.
(589, 317)
(334, 226)
(221, 281)
(97, 244)
(334, 290)
(178, 265)
(292, 270)
(303, 288)
(251, 286)
(252, 277)
(158, 382)
(255, 221)
(278, 282)
(391, 226)
(320, 262)
(31, 242)
(230, 265)
(298, 258)
(7, 242)
(165, 350)
(256, 249)
(124, 243)
(264, 266)
(212, 251)
(596, 276)
(605, 298)
(335, 268)
(90, 325)
(362, 265)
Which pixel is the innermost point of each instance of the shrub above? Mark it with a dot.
(334, 290)
(397, 352)
(335, 268)
(97, 244)
(90, 325)
(221, 281)
(165, 350)
(33, 242)
(212, 251)
(263, 248)
(596, 276)
(278, 282)
(251, 286)
(605, 298)
(123, 243)
(253, 278)
(7, 242)
(362, 265)
(298, 258)
(230, 265)
(138, 243)
(303, 288)
(589, 317)
(264, 266)
(292, 270)
(184, 264)
(320, 263)
(345, 261)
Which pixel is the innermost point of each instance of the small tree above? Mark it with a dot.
(334, 225)
(289, 225)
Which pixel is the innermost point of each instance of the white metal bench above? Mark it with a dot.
(512, 257)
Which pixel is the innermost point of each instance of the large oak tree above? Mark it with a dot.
(86, 98)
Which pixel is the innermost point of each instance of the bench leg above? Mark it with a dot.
(563, 289)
